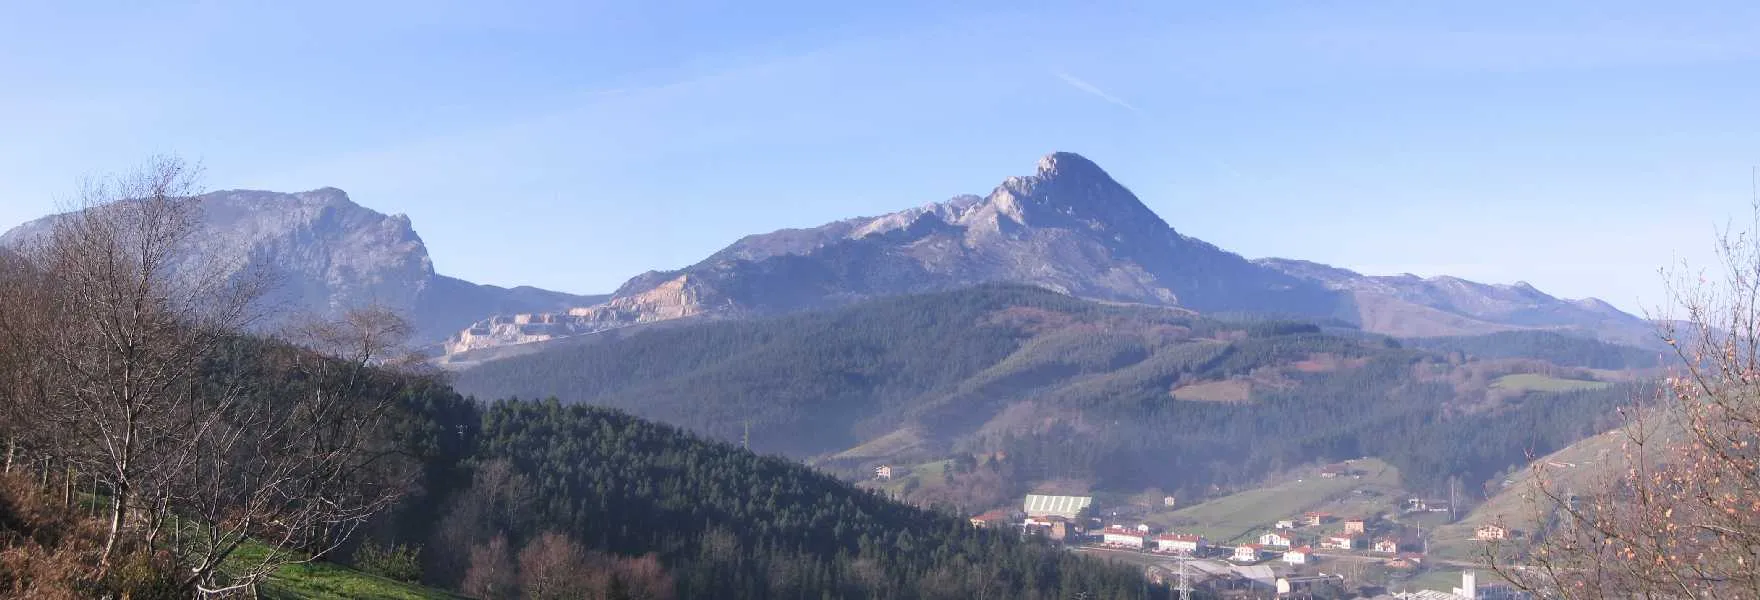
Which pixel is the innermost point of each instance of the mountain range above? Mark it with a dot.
(1069, 228)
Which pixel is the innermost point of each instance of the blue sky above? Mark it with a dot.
(1577, 146)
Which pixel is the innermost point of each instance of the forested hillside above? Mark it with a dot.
(1044, 387)
(1557, 348)
(651, 511)
(155, 448)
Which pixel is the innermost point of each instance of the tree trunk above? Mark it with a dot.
(11, 450)
(118, 511)
(155, 522)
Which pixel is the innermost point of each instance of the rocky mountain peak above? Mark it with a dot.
(1070, 191)
(1068, 163)
(326, 254)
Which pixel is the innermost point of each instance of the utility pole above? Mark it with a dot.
(745, 441)
(1452, 484)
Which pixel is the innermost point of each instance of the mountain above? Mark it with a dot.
(1116, 397)
(328, 253)
(1412, 306)
(1069, 228)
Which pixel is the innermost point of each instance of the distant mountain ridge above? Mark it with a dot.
(1403, 305)
(328, 254)
(1069, 228)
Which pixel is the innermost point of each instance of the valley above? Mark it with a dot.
(898, 375)
(879, 301)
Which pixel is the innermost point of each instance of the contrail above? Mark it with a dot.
(1084, 86)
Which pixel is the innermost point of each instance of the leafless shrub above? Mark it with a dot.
(1680, 517)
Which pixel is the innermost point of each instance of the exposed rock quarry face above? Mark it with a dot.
(327, 254)
(672, 299)
(1068, 227)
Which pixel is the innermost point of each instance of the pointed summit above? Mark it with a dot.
(1069, 163)
(1069, 189)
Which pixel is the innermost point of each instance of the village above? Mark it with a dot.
(1357, 554)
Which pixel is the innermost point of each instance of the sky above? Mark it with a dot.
(1578, 146)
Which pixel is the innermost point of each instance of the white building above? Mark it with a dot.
(1174, 542)
(1469, 590)
(1275, 539)
(1298, 556)
(1119, 536)
(1246, 553)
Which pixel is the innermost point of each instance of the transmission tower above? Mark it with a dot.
(1185, 584)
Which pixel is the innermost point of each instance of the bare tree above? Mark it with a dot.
(125, 354)
(553, 567)
(500, 499)
(1680, 517)
(126, 319)
(492, 575)
(301, 456)
(22, 314)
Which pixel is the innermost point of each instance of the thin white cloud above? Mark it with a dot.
(1092, 90)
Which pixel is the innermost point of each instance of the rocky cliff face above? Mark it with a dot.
(327, 254)
(1069, 227)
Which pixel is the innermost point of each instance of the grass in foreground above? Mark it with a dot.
(327, 580)
(330, 580)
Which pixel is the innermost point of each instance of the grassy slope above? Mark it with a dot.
(929, 474)
(1238, 516)
(330, 580)
(1543, 383)
(327, 580)
(1579, 467)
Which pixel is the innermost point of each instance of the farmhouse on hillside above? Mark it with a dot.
(1275, 539)
(1298, 556)
(1491, 532)
(1247, 553)
(1341, 541)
